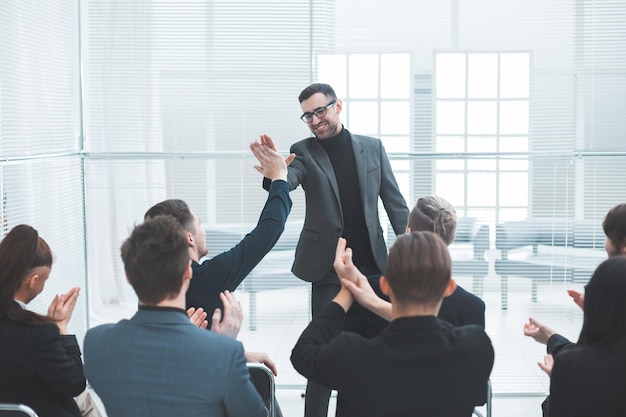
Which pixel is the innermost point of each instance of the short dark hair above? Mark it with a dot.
(604, 321)
(155, 258)
(178, 209)
(434, 214)
(418, 268)
(614, 225)
(325, 89)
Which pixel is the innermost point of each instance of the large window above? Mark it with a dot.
(482, 103)
(375, 89)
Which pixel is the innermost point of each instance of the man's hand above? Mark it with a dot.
(198, 317)
(62, 307)
(273, 166)
(230, 324)
(267, 141)
(344, 267)
(578, 297)
(547, 365)
(538, 331)
(261, 357)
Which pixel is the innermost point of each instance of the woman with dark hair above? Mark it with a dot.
(590, 378)
(40, 363)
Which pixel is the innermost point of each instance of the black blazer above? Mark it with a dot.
(459, 309)
(40, 368)
(225, 271)
(462, 307)
(418, 366)
(589, 381)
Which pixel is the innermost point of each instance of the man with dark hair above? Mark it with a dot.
(155, 364)
(342, 175)
(420, 365)
(224, 272)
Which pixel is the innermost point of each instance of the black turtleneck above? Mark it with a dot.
(341, 154)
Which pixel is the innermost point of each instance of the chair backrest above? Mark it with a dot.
(16, 410)
(263, 381)
(487, 404)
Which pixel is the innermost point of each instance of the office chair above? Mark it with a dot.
(16, 410)
(263, 380)
(487, 404)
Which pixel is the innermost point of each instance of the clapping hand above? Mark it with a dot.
(230, 324)
(62, 307)
(197, 317)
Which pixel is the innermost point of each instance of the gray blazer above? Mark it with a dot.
(159, 364)
(323, 223)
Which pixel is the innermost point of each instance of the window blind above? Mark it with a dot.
(40, 166)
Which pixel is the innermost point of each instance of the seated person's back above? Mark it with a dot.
(589, 379)
(419, 365)
(158, 363)
(462, 307)
(165, 365)
(40, 363)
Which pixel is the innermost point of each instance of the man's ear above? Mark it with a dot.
(450, 288)
(190, 240)
(338, 106)
(188, 271)
(384, 286)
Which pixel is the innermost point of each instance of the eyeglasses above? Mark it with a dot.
(319, 112)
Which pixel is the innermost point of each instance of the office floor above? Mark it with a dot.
(519, 386)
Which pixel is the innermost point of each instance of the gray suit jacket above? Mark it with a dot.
(159, 364)
(323, 224)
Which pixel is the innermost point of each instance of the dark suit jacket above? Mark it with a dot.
(40, 368)
(463, 307)
(459, 309)
(589, 381)
(323, 223)
(226, 270)
(557, 344)
(157, 364)
(418, 366)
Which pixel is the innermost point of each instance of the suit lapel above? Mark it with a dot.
(359, 158)
(319, 155)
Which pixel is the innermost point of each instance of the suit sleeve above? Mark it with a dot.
(393, 201)
(557, 344)
(232, 266)
(59, 362)
(561, 381)
(241, 398)
(315, 354)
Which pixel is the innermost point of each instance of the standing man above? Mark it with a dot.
(158, 364)
(342, 175)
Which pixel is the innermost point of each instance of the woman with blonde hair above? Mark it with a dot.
(434, 214)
